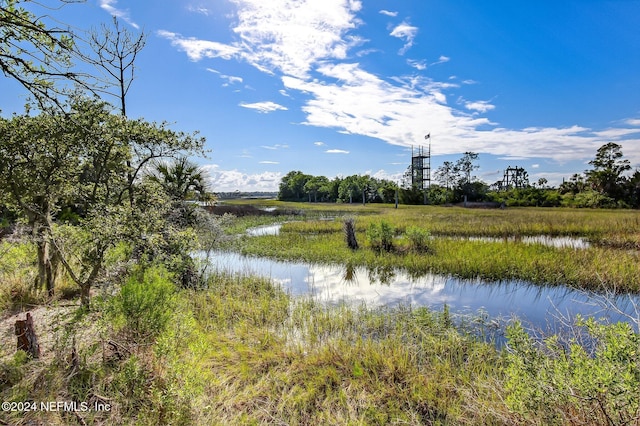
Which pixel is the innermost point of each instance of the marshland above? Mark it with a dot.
(247, 347)
(131, 294)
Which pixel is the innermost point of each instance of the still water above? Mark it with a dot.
(539, 306)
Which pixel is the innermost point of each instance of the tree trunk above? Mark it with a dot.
(48, 264)
(85, 296)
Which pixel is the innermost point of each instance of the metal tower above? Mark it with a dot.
(421, 166)
(514, 177)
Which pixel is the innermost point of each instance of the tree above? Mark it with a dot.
(574, 185)
(83, 156)
(542, 182)
(606, 176)
(115, 52)
(316, 184)
(446, 174)
(37, 176)
(35, 55)
(292, 186)
(464, 167)
(351, 189)
(181, 179)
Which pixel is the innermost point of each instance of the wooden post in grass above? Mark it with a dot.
(27, 340)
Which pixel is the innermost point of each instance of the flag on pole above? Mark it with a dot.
(428, 136)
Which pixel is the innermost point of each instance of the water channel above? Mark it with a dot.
(543, 307)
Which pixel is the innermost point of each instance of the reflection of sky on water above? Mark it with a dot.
(538, 305)
(259, 231)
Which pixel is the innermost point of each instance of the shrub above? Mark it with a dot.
(381, 236)
(592, 379)
(418, 238)
(145, 304)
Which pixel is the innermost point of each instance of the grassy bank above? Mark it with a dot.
(243, 352)
(606, 264)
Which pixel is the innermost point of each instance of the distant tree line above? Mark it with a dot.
(608, 184)
(298, 186)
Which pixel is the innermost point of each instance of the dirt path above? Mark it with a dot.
(53, 324)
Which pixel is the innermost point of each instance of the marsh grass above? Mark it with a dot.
(598, 267)
(593, 268)
(302, 362)
(242, 351)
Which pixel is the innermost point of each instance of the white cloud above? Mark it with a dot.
(198, 9)
(382, 174)
(535, 166)
(292, 38)
(110, 7)
(402, 111)
(419, 65)
(264, 107)
(269, 162)
(289, 36)
(275, 147)
(231, 79)
(407, 33)
(319, 143)
(336, 151)
(235, 180)
(198, 49)
(388, 13)
(616, 134)
(479, 106)
(292, 35)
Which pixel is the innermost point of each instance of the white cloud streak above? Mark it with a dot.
(401, 114)
(388, 13)
(406, 32)
(479, 106)
(275, 147)
(198, 49)
(264, 107)
(336, 151)
(292, 35)
(110, 7)
(198, 9)
(419, 65)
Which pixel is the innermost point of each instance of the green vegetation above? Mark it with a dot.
(592, 378)
(606, 265)
(609, 184)
(98, 207)
(244, 352)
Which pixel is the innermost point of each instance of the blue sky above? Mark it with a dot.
(341, 87)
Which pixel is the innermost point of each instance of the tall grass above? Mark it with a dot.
(593, 268)
(242, 351)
